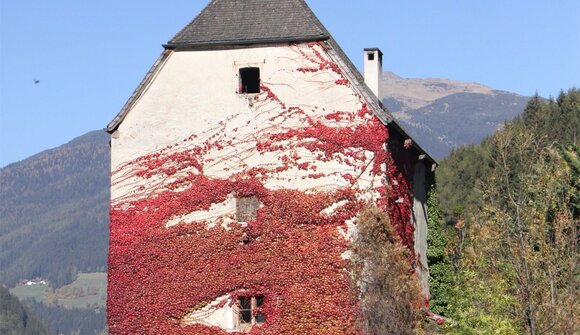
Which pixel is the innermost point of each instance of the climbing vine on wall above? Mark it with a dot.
(292, 253)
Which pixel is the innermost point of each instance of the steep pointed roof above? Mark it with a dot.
(241, 22)
(225, 23)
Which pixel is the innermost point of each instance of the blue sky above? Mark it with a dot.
(90, 55)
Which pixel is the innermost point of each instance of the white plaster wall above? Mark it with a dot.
(196, 90)
(214, 315)
(222, 214)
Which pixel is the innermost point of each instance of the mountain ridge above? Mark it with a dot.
(443, 114)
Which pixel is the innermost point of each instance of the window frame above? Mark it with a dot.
(247, 208)
(254, 311)
(251, 71)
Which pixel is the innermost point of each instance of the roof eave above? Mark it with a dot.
(218, 43)
(114, 124)
(403, 132)
(372, 100)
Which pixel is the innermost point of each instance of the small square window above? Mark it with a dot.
(250, 80)
(371, 56)
(246, 208)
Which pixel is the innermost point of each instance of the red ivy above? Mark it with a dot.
(157, 275)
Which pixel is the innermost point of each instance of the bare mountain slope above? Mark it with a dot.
(415, 93)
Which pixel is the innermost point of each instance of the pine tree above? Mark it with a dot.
(15, 318)
(518, 273)
(441, 272)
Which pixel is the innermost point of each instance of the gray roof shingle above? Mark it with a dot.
(229, 22)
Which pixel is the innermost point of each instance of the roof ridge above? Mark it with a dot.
(192, 20)
(243, 22)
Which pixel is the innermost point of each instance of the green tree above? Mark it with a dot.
(557, 121)
(441, 271)
(517, 270)
(571, 155)
(527, 201)
(481, 304)
(459, 177)
(15, 318)
(521, 264)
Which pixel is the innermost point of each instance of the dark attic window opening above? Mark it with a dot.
(250, 80)
(371, 56)
(246, 208)
(248, 311)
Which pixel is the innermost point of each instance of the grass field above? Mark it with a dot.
(36, 292)
(88, 290)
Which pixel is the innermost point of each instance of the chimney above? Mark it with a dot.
(373, 69)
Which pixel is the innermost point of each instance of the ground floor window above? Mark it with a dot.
(249, 311)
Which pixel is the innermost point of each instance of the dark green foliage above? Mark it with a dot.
(569, 117)
(459, 176)
(15, 318)
(535, 112)
(441, 271)
(571, 155)
(516, 200)
(54, 212)
(60, 320)
(556, 120)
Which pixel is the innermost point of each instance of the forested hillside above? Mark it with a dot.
(54, 212)
(507, 253)
(60, 320)
(15, 319)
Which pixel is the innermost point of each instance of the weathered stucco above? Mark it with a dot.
(218, 313)
(196, 91)
(191, 121)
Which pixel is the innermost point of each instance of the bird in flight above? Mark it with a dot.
(36, 81)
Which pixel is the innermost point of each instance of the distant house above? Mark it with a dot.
(239, 165)
(37, 281)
